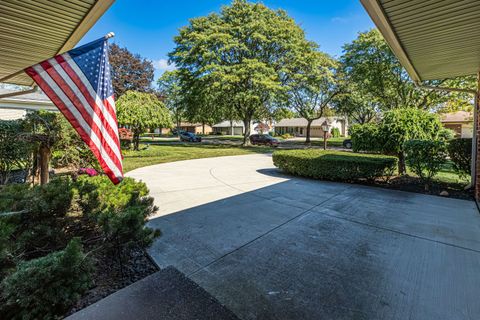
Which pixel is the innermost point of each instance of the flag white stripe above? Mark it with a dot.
(88, 130)
(113, 145)
(92, 92)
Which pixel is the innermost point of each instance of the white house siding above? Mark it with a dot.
(11, 114)
(467, 131)
(298, 126)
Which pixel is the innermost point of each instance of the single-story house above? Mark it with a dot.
(461, 122)
(16, 107)
(235, 128)
(298, 126)
(196, 128)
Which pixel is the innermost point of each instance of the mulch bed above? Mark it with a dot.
(413, 184)
(110, 275)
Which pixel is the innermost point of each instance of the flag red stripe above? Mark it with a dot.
(91, 100)
(99, 111)
(63, 85)
(67, 113)
(82, 85)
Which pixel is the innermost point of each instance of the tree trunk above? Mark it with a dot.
(246, 134)
(309, 124)
(203, 128)
(136, 141)
(231, 128)
(44, 153)
(401, 164)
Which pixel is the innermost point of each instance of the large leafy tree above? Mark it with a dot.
(170, 89)
(140, 111)
(354, 103)
(379, 82)
(129, 71)
(311, 85)
(239, 55)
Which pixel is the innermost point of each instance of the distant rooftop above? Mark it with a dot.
(35, 96)
(459, 116)
(227, 124)
(301, 122)
(30, 101)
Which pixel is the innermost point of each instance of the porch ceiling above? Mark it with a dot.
(433, 39)
(35, 30)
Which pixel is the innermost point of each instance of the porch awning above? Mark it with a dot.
(433, 39)
(35, 30)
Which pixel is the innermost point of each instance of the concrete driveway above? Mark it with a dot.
(271, 246)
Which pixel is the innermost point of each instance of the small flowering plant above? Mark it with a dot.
(125, 134)
(90, 171)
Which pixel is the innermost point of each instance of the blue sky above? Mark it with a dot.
(147, 27)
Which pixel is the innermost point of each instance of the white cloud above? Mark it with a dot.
(163, 65)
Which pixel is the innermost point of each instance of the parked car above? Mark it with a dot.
(190, 137)
(347, 143)
(264, 139)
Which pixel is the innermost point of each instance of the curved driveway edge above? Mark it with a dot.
(272, 246)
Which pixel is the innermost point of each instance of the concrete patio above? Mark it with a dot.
(271, 246)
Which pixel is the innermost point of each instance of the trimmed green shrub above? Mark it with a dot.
(335, 132)
(286, 136)
(425, 158)
(46, 287)
(366, 137)
(6, 258)
(460, 152)
(120, 211)
(40, 221)
(446, 134)
(397, 127)
(334, 165)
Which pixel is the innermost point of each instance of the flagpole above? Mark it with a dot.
(106, 37)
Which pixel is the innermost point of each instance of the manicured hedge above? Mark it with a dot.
(334, 165)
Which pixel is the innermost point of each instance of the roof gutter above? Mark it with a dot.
(19, 93)
(95, 12)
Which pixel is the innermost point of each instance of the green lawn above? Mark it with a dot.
(154, 154)
(448, 175)
(332, 142)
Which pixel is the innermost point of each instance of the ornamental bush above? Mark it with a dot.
(397, 127)
(39, 215)
(46, 287)
(119, 211)
(425, 158)
(335, 132)
(334, 165)
(460, 152)
(366, 137)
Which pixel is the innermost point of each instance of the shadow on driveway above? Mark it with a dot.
(293, 248)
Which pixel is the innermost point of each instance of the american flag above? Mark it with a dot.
(78, 82)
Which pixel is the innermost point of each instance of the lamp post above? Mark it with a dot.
(326, 129)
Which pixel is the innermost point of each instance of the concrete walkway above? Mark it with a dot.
(270, 246)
